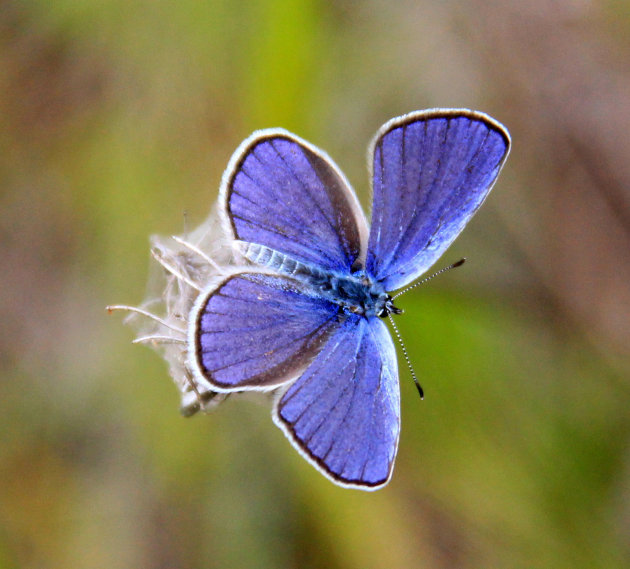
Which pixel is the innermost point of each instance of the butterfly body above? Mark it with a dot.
(355, 293)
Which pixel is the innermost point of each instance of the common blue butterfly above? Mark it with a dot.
(285, 288)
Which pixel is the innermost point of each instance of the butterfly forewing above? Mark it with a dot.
(285, 194)
(256, 331)
(431, 172)
(343, 412)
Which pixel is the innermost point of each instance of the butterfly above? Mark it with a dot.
(303, 312)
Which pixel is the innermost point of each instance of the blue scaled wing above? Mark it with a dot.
(431, 171)
(256, 331)
(281, 192)
(343, 413)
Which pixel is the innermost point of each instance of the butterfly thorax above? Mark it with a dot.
(356, 293)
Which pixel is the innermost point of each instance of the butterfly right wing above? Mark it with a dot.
(343, 413)
(254, 330)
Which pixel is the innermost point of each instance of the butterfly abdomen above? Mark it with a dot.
(277, 261)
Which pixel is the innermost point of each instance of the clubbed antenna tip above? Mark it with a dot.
(404, 349)
(420, 391)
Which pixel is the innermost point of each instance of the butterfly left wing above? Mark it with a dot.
(343, 413)
(281, 192)
(431, 171)
(252, 330)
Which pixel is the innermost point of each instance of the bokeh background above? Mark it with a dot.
(117, 117)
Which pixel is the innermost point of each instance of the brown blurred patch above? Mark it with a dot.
(48, 81)
(50, 88)
(564, 83)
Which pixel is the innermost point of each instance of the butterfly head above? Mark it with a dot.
(387, 307)
(371, 299)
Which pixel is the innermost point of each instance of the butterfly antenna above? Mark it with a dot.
(404, 350)
(414, 285)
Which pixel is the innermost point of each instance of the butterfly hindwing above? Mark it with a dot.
(255, 330)
(281, 192)
(343, 413)
(431, 172)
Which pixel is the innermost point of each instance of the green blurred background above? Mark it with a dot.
(117, 117)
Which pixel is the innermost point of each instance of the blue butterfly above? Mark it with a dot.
(307, 320)
(303, 315)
